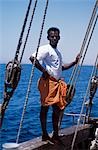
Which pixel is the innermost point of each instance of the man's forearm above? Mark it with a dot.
(68, 66)
(37, 64)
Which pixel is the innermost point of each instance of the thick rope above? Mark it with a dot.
(28, 29)
(79, 70)
(85, 38)
(74, 72)
(76, 67)
(32, 73)
(18, 48)
(21, 36)
(22, 33)
(94, 73)
(80, 116)
(23, 28)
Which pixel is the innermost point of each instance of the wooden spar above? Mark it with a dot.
(82, 140)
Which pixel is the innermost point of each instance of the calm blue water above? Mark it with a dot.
(31, 125)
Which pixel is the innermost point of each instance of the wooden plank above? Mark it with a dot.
(37, 144)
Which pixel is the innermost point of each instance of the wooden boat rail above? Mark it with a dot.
(82, 141)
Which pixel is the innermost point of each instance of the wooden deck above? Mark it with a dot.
(81, 140)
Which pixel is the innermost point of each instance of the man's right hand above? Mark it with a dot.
(45, 75)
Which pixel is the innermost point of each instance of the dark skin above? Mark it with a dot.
(54, 38)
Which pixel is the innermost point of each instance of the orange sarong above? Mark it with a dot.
(52, 91)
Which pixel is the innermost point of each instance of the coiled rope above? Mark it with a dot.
(32, 73)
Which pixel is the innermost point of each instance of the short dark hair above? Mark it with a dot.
(53, 29)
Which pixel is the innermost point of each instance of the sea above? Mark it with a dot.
(31, 123)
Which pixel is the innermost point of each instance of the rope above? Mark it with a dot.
(15, 61)
(96, 70)
(78, 122)
(76, 67)
(79, 70)
(23, 28)
(74, 72)
(85, 38)
(20, 38)
(94, 73)
(22, 33)
(32, 73)
(28, 29)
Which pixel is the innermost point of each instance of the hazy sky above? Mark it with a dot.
(70, 16)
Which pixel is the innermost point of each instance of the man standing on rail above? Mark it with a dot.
(52, 88)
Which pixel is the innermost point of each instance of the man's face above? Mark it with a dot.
(53, 37)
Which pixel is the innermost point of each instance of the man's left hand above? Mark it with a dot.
(78, 57)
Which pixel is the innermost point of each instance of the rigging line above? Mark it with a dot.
(21, 36)
(90, 25)
(32, 72)
(13, 68)
(29, 29)
(78, 121)
(23, 28)
(85, 39)
(96, 70)
(75, 69)
(79, 70)
(12, 75)
(93, 74)
(86, 36)
(93, 71)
